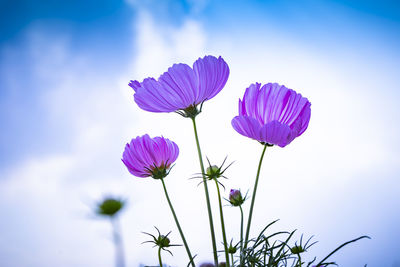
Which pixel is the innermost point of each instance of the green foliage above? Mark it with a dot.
(273, 250)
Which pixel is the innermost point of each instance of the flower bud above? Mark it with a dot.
(213, 172)
(232, 249)
(109, 207)
(235, 197)
(163, 241)
(297, 249)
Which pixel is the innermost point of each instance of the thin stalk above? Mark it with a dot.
(119, 250)
(254, 197)
(265, 255)
(222, 224)
(299, 259)
(177, 224)
(206, 193)
(159, 256)
(241, 233)
(232, 260)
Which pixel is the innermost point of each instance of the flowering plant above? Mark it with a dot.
(271, 114)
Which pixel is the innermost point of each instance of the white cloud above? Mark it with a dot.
(159, 46)
(61, 187)
(46, 197)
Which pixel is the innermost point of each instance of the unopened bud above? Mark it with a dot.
(213, 172)
(232, 249)
(235, 197)
(297, 249)
(163, 241)
(109, 207)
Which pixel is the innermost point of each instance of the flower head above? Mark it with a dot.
(109, 206)
(182, 88)
(272, 114)
(145, 156)
(236, 198)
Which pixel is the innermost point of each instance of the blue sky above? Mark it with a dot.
(66, 112)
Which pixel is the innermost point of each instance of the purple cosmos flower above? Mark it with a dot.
(182, 88)
(145, 156)
(272, 114)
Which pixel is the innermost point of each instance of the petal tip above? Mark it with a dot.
(134, 84)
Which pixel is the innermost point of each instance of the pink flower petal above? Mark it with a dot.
(144, 153)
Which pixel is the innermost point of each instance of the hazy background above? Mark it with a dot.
(67, 112)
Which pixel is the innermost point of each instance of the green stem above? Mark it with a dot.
(265, 253)
(159, 256)
(232, 260)
(241, 234)
(119, 249)
(222, 224)
(254, 197)
(206, 193)
(299, 259)
(177, 224)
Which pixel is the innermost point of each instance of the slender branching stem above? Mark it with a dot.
(222, 224)
(232, 260)
(159, 256)
(206, 193)
(177, 224)
(119, 249)
(254, 197)
(241, 233)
